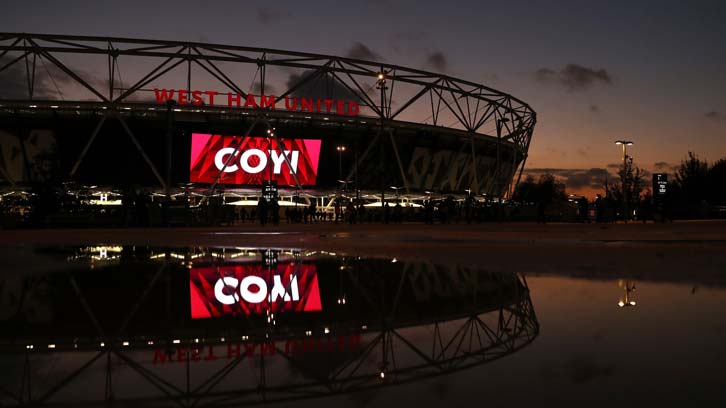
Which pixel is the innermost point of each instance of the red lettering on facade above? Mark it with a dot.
(287, 103)
(233, 99)
(250, 101)
(267, 101)
(353, 108)
(162, 96)
(328, 105)
(306, 104)
(211, 95)
(197, 98)
(183, 95)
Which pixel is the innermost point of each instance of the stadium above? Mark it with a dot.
(192, 121)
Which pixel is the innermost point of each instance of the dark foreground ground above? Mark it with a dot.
(675, 251)
(666, 351)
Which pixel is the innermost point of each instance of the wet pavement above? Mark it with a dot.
(625, 315)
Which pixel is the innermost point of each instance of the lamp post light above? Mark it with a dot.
(624, 144)
(627, 299)
(397, 189)
(344, 183)
(296, 195)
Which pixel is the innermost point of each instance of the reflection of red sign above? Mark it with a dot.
(211, 352)
(233, 290)
(255, 160)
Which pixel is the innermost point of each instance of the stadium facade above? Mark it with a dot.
(179, 116)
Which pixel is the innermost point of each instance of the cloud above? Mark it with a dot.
(407, 41)
(14, 85)
(257, 89)
(665, 166)
(574, 77)
(614, 165)
(714, 115)
(576, 179)
(362, 52)
(267, 15)
(438, 61)
(323, 86)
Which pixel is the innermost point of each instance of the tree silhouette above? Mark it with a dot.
(716, 183)
(546, 190)
(692, 176)
(626, 193)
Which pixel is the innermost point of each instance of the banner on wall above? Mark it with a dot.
(253, 160)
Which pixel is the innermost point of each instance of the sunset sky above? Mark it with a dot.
(653, 72)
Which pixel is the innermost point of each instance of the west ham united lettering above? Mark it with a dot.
(257, 159)
(234, 290)
(250, 101)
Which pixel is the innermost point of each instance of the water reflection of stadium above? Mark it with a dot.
(143, 324)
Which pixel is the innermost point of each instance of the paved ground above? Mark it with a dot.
(371, 234)
(677, 251)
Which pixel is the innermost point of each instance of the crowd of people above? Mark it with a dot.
(343, 210)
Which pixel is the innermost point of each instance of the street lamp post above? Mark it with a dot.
(340, 150)
(381, 85)
(624, 144)
(500, 121)
(270, 136)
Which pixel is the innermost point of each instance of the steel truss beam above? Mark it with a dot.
(204, 55)
(472, 105)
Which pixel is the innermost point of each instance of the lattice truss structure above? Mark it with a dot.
(115, 78)
(257, 361)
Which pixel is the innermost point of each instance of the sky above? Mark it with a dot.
(653, 72)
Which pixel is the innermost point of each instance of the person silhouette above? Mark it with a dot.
(262, 210)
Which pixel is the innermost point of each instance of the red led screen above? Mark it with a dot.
(255, 161)
(234, 290)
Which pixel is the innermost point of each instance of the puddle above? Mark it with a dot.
(232, 326)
